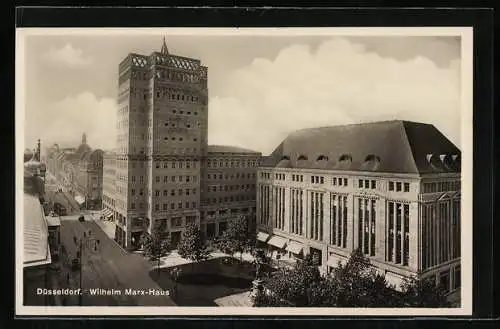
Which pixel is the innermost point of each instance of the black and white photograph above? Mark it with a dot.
(238, 171)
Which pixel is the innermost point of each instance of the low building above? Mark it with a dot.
(391, 189)
(37, 256)
(228, 187)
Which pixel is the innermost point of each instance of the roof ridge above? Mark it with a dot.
(361, 124)
(408, 145)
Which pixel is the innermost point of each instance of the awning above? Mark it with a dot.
(333, 260)
(79, 199)
(294, 247)
(107, 212)
(261, 236)
(277, 241)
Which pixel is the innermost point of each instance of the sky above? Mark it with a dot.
(261, 88)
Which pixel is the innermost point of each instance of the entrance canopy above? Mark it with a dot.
(294, 247)
(261, 236)
(277, 241)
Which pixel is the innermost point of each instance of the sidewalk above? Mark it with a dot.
(243, 299)
(174, 259)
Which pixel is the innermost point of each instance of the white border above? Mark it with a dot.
(467, 146)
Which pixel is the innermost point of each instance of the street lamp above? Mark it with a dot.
(85, 242)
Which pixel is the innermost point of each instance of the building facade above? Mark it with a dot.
(391, 189)
(108, 185)
(229, 187)
(80, 171)
(162, 151)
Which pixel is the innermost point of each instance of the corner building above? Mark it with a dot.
(391, 189)
(162, 150)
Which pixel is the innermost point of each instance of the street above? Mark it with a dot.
(110, 267)
(53, 194)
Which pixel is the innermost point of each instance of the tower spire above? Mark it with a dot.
(164, 49)
(84, 138)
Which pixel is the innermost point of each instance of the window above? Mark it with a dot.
(338, 220)
(391, 186)
(360, 183)
(157, 193)
(172, 178)
(132, 206)
(444, 280)
(398, 243)
(165, 206)
(172, 206)
(165, 192)
(141, 192)
(179, 205)
(398, 186)
(457, 278)
(133, 192)
(157, 207)
(407, 187)
(374, 184)
(345, 181)
(367, 226)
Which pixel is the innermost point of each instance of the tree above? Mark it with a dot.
(293, 286)
(353, 284)
(236, 238)
(191, 245)
(156, 246)
(422, 293)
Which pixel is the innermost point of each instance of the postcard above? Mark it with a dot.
(223, 171)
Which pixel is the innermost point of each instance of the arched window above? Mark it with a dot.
(322, 158)
(285, 157)
(302, 157)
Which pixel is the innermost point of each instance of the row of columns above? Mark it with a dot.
(379, 229)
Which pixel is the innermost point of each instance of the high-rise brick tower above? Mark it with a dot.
(162, 121)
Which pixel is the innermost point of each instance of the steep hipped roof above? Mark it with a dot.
(386, 146)
(228, 149)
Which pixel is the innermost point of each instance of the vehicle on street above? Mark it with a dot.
(81, 218)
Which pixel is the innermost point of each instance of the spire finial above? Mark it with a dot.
(164, 49)
(84, 138)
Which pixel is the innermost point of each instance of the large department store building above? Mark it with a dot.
(163, 174)
(391, 189)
